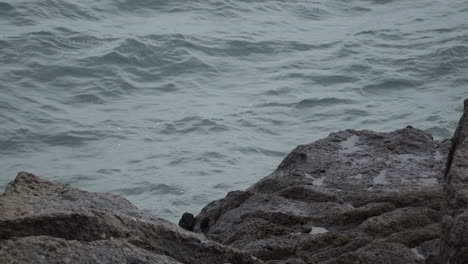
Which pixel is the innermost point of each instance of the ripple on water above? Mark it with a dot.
(391, 85)
(6, 7)
(71, 138)
(151, 188)
(271, 153)
(310, 103)
(193, 124)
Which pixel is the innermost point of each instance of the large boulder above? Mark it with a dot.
(353, 197)
(43, 222)
(454, 247)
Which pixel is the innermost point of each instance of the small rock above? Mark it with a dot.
(187, 221)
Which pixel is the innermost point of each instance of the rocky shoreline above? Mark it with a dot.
(353, 197)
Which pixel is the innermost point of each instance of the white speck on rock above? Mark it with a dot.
(380, 178)
(417, 254)
(318, 181)
(438, 156)
(349, 145)
(317, 230)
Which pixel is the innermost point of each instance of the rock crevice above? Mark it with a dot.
(454, 246)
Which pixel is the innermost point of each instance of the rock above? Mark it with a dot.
(454, 246)
(46, 250)
(353, 197)
(187, 221)
(43, 222)
(378, 252)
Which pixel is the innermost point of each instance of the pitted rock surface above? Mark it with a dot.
(353, 197)
(454, 247)
(43, 222)
(46, 250)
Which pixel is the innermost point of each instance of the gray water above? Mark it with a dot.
(174, 103)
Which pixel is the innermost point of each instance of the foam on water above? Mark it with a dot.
(165, 101)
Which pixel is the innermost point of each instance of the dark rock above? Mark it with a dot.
(430, 249)
(51, 250)
(43, 222)
(378, 252)
(353, 197)
(454, 246)
(187, 221)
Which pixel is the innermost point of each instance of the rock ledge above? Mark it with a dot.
(43, 222)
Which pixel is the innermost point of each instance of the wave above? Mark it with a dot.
(310, 103)
(193, 124)
(196, 90)
(152, 188)
(6, 7)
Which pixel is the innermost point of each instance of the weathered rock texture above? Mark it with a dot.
(353, 197)
(42, 222)
(454, 246)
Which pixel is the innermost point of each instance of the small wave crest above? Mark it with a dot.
(309, 103)
(193, 124)
(6, 7)
(150, 188)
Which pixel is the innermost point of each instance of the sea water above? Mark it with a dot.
(172, 104)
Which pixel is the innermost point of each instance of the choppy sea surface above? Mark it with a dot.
(174, 103)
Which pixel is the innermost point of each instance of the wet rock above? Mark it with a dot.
(429, 250)
(187, 221)
(377, 252)
(454, 246)
(398, 220)
(43, 222)
(353, 197)
(51, 250)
